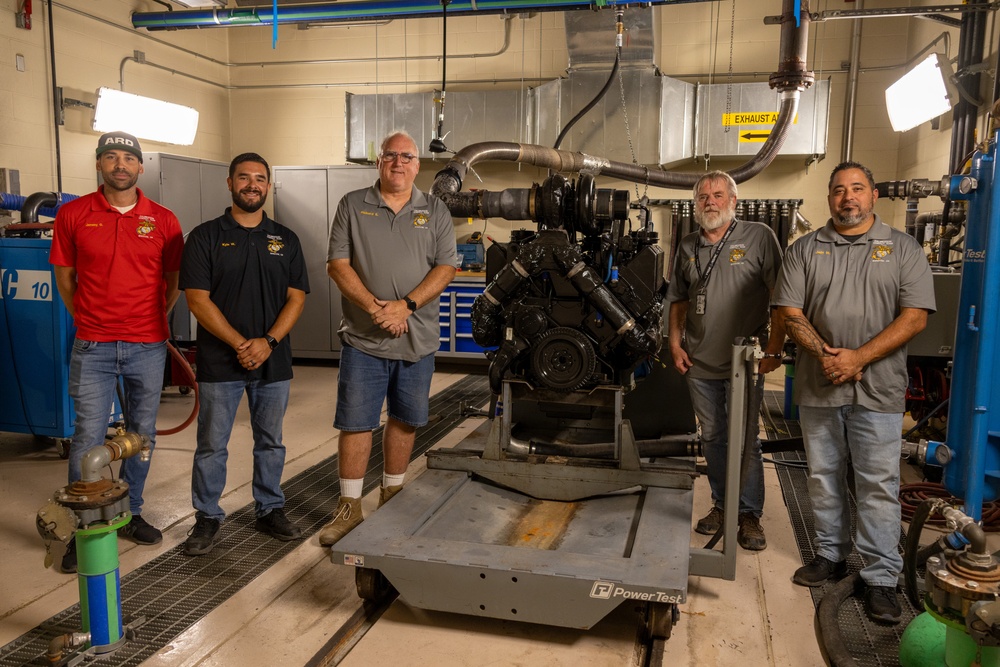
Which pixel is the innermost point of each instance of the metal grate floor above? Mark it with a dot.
(871, 644)
(174, 591)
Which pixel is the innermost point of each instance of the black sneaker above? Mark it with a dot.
(68, 564)
(882, 605)
(140, 532)
(277, 525)
(203, 537)
(711, 522)
(819, 570)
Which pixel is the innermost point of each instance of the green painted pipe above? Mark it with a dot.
(931, 640)
(100, 584)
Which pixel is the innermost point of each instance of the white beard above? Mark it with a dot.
(712, 220)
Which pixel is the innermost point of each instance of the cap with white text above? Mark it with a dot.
(122, 141)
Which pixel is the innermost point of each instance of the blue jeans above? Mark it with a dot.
(364, 382)
(871, 440)
(94, 370)
(219, 402)
(710, 400)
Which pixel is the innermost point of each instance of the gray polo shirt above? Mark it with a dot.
(392, 253)
(850, 292)
(738, 296)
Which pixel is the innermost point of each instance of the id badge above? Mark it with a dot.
(699, 303)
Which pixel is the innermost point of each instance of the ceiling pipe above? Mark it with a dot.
(851, 103)
(792, 77)
(343, 12)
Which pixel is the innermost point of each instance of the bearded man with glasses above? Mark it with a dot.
(392, 252)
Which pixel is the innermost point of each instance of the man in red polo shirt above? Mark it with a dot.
(116, 256)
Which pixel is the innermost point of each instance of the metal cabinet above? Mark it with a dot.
(456, 319)
(305, 199)
(196, 191)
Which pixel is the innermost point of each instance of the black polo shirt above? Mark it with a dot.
(247, 273)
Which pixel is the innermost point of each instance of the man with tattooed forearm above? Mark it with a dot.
(851, 295)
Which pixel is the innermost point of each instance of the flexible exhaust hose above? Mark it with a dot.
(448, 181)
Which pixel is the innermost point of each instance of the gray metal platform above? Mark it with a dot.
(449, 542)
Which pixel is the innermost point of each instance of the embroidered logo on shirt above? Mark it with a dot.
(881, 252)
(736, 255)
(274, 245)
(146, 226)
(421, 218)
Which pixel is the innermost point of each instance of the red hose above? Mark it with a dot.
(911, 495)
(27, 226)
(189, 376)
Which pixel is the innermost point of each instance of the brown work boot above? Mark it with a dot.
(751, 535)
(711, 522)
(387, 492)
(347, 516)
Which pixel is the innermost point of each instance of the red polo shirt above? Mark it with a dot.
(120, 261)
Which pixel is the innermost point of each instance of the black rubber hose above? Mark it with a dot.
(836, 652)
(932, 549)
(926, 418)
(593, 102)
(782, 445)
(911, 550)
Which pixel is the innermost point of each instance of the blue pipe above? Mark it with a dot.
(345, 12)
(972, 419)
(9, 202)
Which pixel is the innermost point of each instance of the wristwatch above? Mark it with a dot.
(411, 304)
(271, 341)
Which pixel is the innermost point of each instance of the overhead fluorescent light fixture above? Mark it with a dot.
(923, 93)
(145, 117)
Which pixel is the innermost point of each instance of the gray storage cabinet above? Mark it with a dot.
(196, 191)
(305, 199)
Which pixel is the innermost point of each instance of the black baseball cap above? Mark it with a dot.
(122, 141)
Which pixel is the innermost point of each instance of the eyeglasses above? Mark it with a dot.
(404, 158)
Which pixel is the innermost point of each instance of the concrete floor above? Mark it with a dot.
(289, 612)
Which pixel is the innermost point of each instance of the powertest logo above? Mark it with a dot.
(605, 590)
(602, 590)
(978, 256)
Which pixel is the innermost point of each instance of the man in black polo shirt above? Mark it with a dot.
(245, 281)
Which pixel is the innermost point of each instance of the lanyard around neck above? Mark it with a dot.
(704, 277)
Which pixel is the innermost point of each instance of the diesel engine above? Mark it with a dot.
(578, 302)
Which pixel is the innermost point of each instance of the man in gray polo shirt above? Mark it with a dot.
(392, 253)
(720, 290)
(852, 294)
